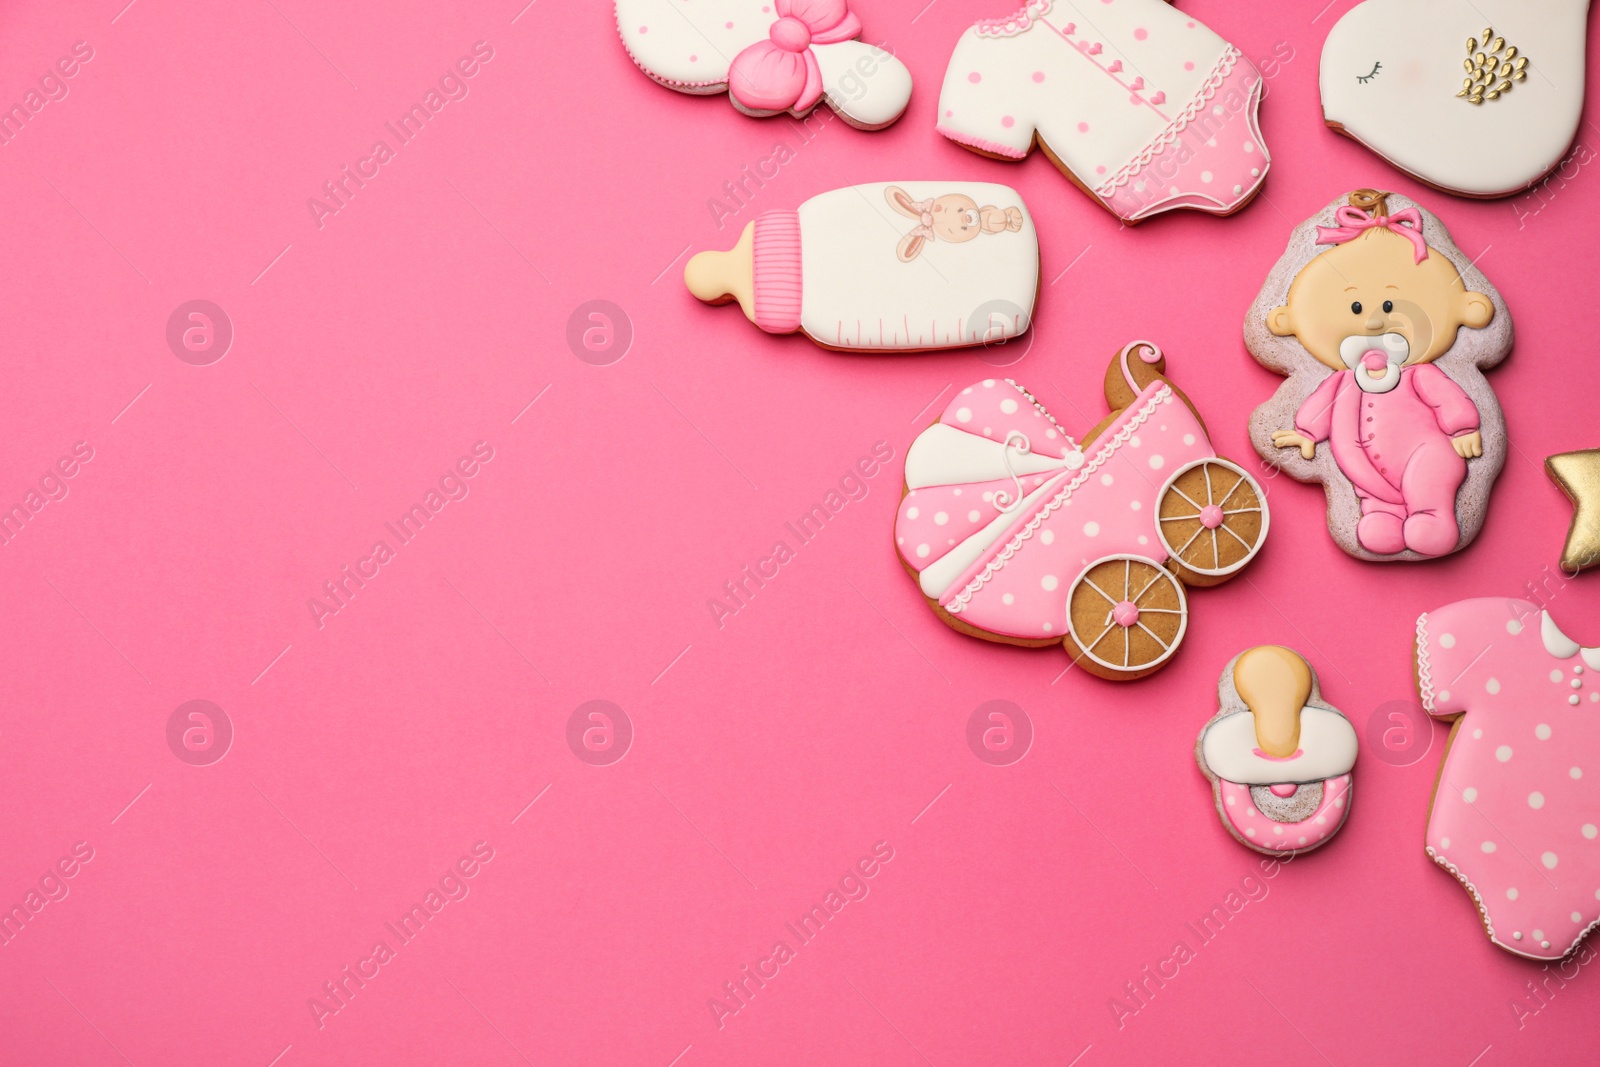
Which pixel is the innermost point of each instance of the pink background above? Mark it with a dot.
(769, 754)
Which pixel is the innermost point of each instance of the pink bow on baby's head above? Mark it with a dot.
(781, 73)
(1354, 222)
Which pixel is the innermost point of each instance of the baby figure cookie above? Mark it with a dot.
(770, 56)
(1517, 800)
(1020, 533)
(903, 267)
(1476, 97)
(1384, 328)
(1279, 758)
(1141, 105)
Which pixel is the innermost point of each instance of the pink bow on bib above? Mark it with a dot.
(781, 73)
(1354, 222)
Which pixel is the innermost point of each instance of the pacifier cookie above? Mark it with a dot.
(1517, 800)
(1280, 759)
(1476, 97)
(1018, 532)
(1384, 328)
(903, 267)
(770, 56)
(1141, 105)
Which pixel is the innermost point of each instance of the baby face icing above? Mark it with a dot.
(1378, 302)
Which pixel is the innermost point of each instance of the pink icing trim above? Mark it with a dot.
(1278, 759)
(1221, 72)
(776, 255)
(992, 147)
(1240, 811)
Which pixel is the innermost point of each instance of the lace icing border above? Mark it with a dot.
(990, 569)
(1041, 409)
(1208, 90)
(1019, 21)
(1424, 668)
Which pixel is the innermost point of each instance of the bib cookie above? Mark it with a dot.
(1384, 328)
(1476, 97)
(770, 56)
(906, 267)
(1517, 802)
(1141, 105)
(1018, 532)
(1280, 759)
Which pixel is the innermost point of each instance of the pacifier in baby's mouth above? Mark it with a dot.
(1375, 360)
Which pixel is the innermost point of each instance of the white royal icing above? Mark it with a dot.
(1391, 70)
(1327, 744)
(858, 293)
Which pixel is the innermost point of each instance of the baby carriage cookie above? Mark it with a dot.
(1476, 97)
(1517, 801)
(769, 56)
(1384, 328)
(1278, 757)
(906, 267)
(1142, 106)
(1020, 533)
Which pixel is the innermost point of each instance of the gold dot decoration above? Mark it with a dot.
(1493, 68)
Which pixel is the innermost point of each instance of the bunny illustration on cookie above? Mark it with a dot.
(845, 269)
(953, 217)
(1384, 328)
(1018, 532)
(1278, 757)
(1141, 105)
(1476, 97)
(771, 57)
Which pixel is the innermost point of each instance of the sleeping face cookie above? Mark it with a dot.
(1140, 104)
(1384, 328)
(902, 267)
(1517, 802)
(770, 56)
(1019, 532)
(1279, 759)
(1477, 97)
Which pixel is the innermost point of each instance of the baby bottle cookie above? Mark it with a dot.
(1280, 759)
(1018, 532)
(906, 267)
(770, 56)
(1477, 97)
(1384, 328)
(1517, 801)
(1140, 104)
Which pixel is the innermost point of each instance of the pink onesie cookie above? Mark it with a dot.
(1517, 803)
(1019, 532)
(770, 56)
(1384, 328)
(1279, 758)
(1142, 106)
(903, 267)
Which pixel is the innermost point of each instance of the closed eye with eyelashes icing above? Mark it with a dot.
(1369, 75)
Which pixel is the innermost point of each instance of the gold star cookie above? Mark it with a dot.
(1578, 475)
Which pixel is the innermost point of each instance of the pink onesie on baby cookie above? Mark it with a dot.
(1146, 107)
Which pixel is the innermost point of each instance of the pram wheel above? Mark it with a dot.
(1126, 617)
(1212, 519)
